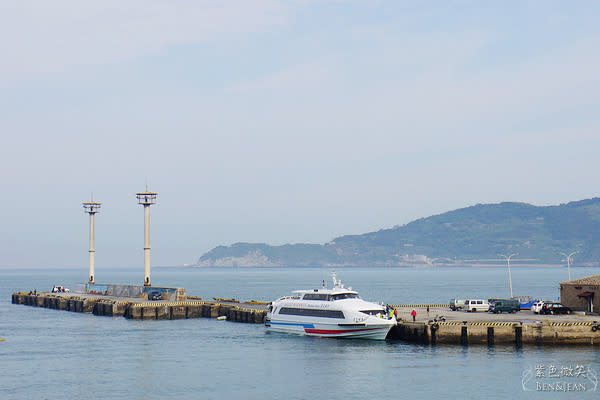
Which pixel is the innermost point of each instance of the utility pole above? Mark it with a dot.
(568, 257)
(507, 258)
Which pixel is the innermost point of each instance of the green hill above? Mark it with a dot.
(468, 235)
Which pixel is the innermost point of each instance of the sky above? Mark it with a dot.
(283, 121)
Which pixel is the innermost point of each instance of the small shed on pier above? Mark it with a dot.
(581, 294)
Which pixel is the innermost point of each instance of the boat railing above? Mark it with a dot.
(290, 298)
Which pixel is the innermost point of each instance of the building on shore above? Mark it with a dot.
(581, 294)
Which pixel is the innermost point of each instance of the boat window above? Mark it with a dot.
(309, 312)
(315, 296)
(372, 312)
(342, 296)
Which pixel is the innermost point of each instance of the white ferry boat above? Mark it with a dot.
(336, 312)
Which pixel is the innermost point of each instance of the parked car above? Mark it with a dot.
(492, 302)
(476, 305)
(537, 306)
(154, 296)
(509, 306)
(457, 304)
(554, 308)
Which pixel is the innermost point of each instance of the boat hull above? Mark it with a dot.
(348, 331)
(525, 302)
(526, 306)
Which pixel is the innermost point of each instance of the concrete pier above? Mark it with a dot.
(491, 333)
(523, 327)
(144, 309)
(458, 327)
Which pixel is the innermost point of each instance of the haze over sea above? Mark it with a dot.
(50, 354)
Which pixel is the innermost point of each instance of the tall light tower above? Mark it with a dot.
(146, 199)
(569, 258)
(92, 207)
(507, 258)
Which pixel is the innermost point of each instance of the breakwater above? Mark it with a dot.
(144, 310)
(468, 329)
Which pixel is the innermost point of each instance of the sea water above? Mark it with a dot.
(50, 354)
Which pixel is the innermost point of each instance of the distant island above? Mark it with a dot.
(468, 236)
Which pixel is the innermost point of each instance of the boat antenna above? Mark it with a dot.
(336, 282)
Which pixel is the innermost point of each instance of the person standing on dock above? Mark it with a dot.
(414, 314)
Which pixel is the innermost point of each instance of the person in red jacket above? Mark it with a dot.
(414, 314)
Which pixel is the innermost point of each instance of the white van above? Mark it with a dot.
(476, 305)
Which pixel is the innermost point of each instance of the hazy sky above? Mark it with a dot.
(283, 121)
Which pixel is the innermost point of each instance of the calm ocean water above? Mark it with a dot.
(49, 354)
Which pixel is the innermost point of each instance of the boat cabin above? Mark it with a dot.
(329, 297)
